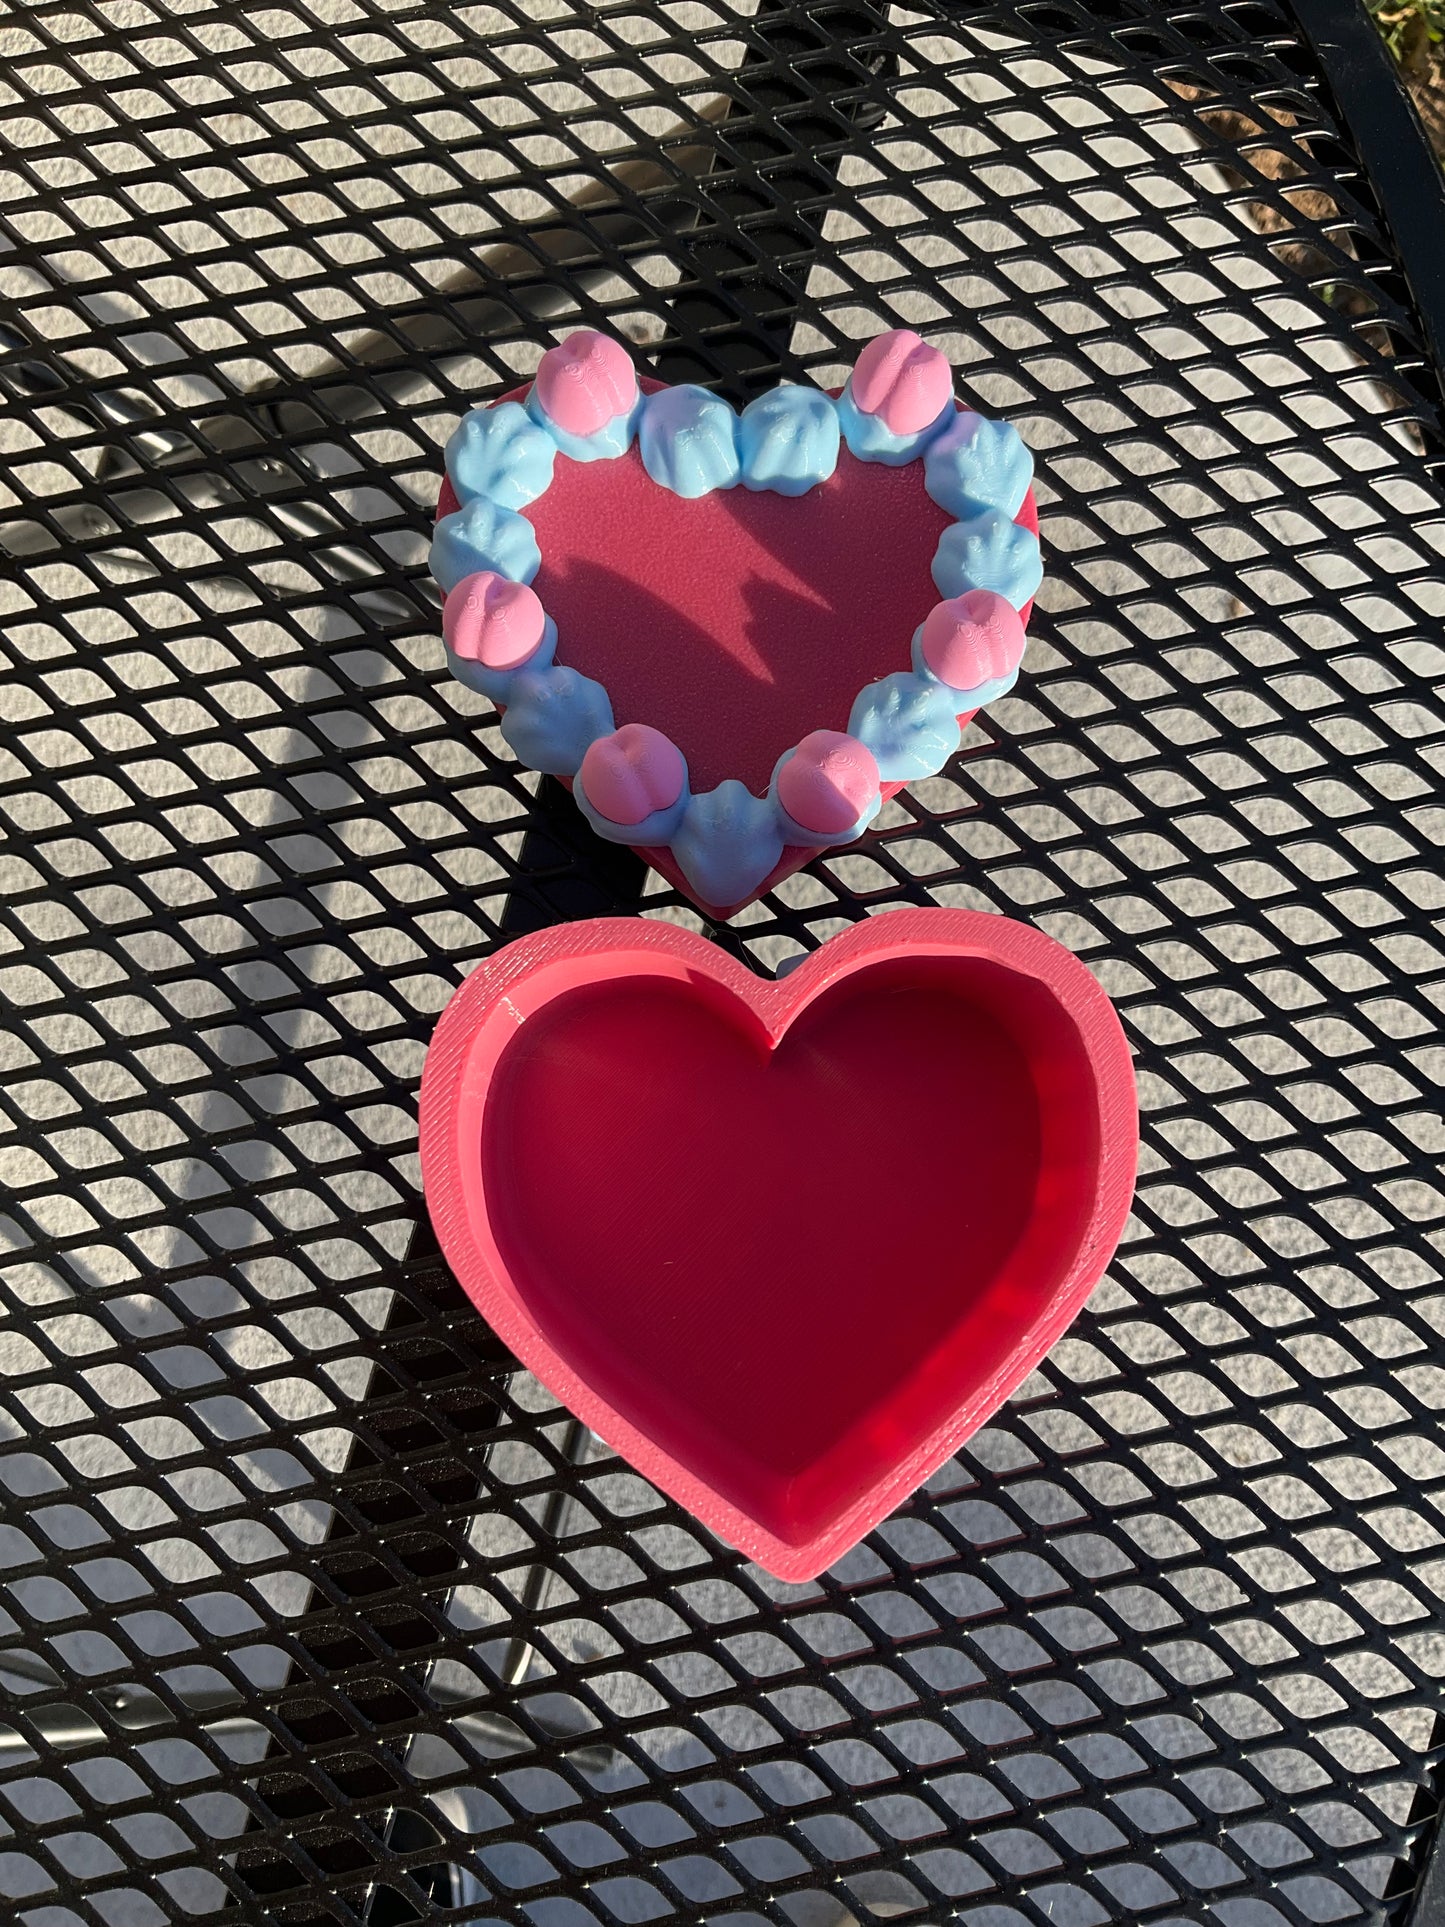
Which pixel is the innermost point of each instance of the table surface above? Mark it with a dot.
(311, 1606)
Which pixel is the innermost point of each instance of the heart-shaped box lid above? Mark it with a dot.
(722, 631)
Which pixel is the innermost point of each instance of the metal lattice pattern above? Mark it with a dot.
(314, 1609)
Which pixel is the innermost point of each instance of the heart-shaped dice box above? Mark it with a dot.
(728, 633)
(782, 1244)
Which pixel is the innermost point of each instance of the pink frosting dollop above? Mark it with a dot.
(828, 782)
(902, 381)
(973, 638)
(489, 620)
(633, 772)
(586, 381)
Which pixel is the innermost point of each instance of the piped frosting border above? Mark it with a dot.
(632, 783)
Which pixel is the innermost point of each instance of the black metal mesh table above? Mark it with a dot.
(313, 1608)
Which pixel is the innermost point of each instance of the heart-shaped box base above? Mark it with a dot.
(784, 1246)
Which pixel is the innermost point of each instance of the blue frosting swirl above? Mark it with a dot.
(554, 717)
(910, 724)
(871, 441)
(788, 440)
(689, 441)
(989, 551)
(500, 453)
(728, 844)
(483, 536)
(978, 464)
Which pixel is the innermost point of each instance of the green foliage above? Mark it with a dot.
(1412, 29)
